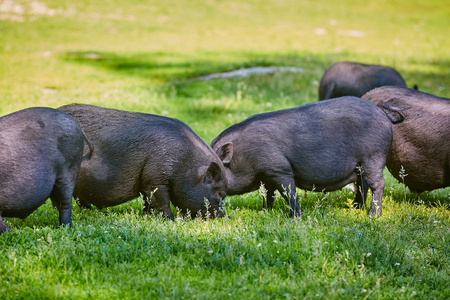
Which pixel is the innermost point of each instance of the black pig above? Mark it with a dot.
(355, 79)
(158, 157)
(421, 141)
(320, 146)
(40, 154)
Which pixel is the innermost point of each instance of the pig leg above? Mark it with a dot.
(270, 197)
(148, 208)
(377, 196)
(289, 193)
(160, 200)
(149, 204)
(61, 197)
(361, 188)
(3, 226)
(373, 175)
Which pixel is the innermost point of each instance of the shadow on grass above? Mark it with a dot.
(436, 198)
(173, 67)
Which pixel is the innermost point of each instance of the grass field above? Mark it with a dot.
(147, 56)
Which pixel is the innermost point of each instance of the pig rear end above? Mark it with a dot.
(421, 144)
(40, 155)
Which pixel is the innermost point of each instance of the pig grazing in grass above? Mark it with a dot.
(420, 151)
(158, 157)
(41, 150)
(355, 79)
(320, 146)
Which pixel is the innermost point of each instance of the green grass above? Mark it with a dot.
(147, 57)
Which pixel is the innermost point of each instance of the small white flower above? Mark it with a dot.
(397, 264)
(369, 254)
(210, 252)
(259, 245)
(275, 241)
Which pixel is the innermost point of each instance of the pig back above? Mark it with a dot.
(323, 122)
(120, 134)
(342, 129)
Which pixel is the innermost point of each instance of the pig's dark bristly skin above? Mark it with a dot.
(421, 141)
(355, 79)
(319, 146)
(40, 154)
(158, 157)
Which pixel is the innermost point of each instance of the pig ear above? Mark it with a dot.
(394, 113)
(213, 174)
(225, 153)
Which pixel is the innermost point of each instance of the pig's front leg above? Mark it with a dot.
(288, 191)
(158, 197)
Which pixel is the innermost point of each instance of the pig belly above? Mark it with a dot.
(21, 208)
(106, 195)
(325, 179)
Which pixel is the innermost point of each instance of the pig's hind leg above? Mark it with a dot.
(287, 189)
(361, 189)
(61, 197)
(373, 177)
(3, 226)
(270, 197)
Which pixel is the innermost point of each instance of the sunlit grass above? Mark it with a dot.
(250, 253)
